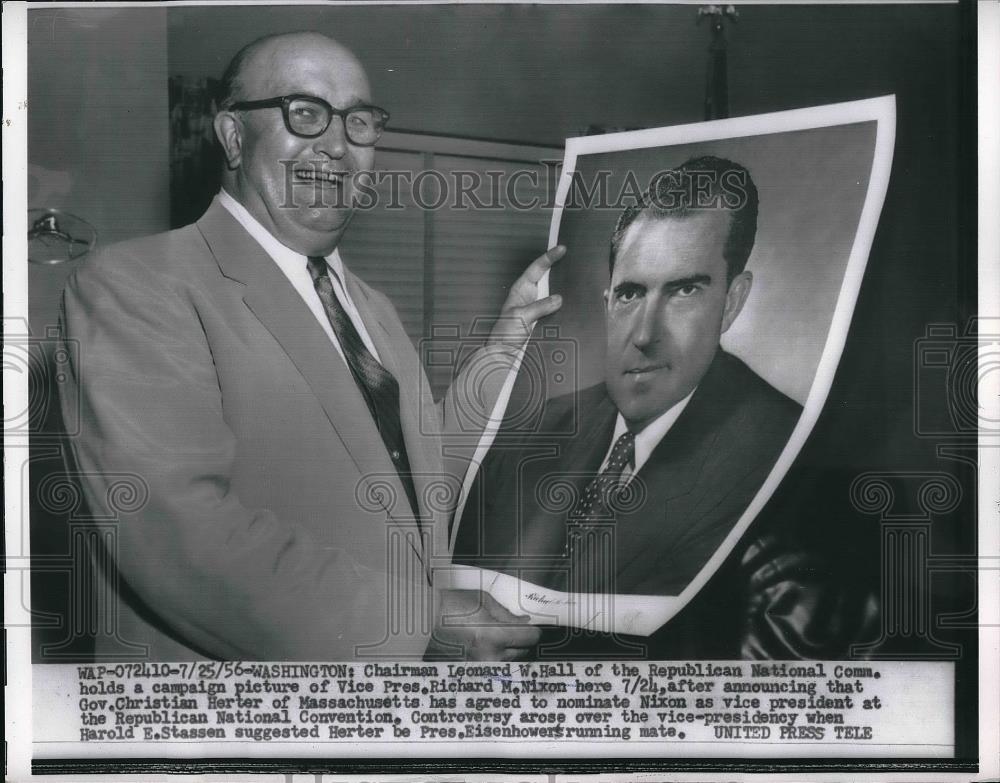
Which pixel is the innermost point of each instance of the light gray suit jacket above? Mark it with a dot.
(267, 520)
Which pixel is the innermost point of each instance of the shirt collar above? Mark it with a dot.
(282, 255)
(649, 437)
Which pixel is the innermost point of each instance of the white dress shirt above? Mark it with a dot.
(647, 439)
(294, 266)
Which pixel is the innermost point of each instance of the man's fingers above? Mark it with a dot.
(515, 631)
(543, 263)
(500, 612)
(530, 313)
(524, 636)
(485, 629)
(461, 605)
(492, 641)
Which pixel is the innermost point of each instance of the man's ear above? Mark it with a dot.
(229, 132)
(736, 296)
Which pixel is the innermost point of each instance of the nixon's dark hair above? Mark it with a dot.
(706, 182)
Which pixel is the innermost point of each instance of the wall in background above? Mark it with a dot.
(529, 73)
(97, 128)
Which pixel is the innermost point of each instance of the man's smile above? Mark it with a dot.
(335, 177)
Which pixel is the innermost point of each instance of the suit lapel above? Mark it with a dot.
(676, 464)
(277, 305)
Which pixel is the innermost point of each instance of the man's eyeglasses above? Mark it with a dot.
(309, 117)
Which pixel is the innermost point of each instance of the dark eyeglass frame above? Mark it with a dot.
(283, 102)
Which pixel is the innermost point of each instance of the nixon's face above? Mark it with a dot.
(666, 308)
(301, 189)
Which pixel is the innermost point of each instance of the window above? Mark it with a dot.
(453, 228)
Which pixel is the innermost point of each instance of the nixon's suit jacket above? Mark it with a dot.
(267, 520)
(683, 502)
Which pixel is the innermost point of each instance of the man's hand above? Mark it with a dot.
(523, 308)
(472, 626)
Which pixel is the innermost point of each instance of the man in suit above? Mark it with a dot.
(638, 480)
(265, 407)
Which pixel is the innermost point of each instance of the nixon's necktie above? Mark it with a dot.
(593, 504)
(378, 386)
(591, 532)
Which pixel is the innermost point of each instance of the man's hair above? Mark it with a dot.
(699, 184)
(231, 83)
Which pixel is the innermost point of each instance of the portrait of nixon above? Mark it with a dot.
(662, 458)
(253, 384)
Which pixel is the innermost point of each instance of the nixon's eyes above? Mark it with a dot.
(628, 292)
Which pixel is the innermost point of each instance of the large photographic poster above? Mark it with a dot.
(814, 180)
(723, 508)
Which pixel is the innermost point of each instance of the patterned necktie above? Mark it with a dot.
(378, 386)
(593, 504)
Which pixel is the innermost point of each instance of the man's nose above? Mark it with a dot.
(333, 141)
(648, 326)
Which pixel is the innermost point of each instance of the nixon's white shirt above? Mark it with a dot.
(647, 439)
